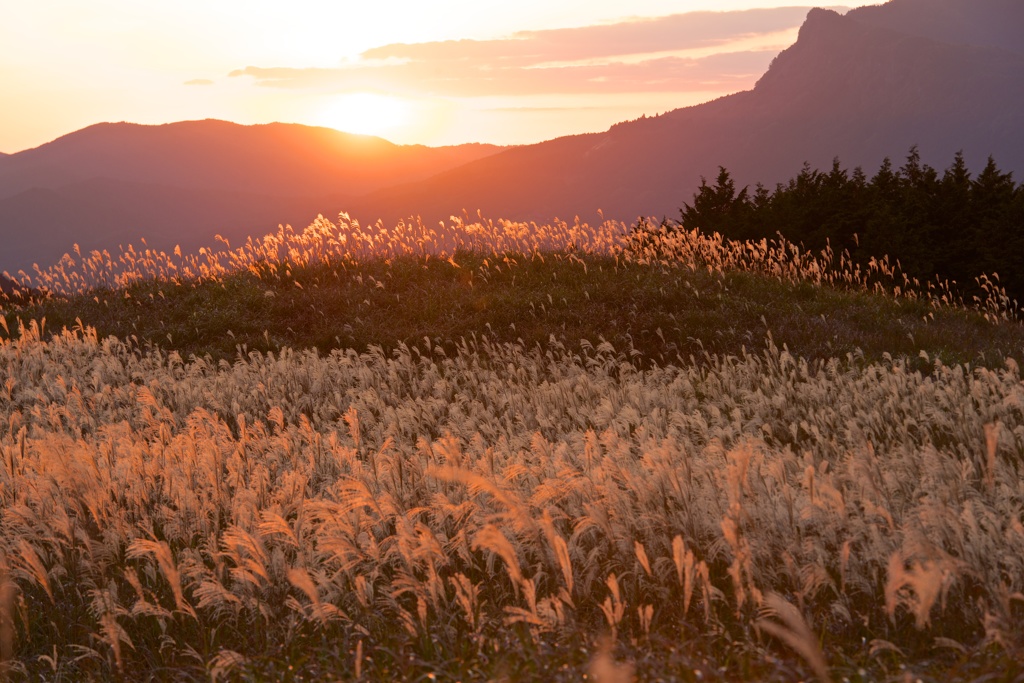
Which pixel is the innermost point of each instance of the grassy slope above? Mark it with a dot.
(667, 315)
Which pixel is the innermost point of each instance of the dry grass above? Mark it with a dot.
(347, 242)
(498, 511)
(665, 297)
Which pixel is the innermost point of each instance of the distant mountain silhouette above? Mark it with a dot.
(182, 183)
(945, 75)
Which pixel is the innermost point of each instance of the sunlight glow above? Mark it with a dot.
(119, 60)
(365, 113)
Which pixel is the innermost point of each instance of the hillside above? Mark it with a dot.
(185, 182)
(280, 159)
(861, 90)
(340, 286)
(659, 454)
(982, 23)
(944, 75)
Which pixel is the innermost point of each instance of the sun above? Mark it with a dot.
(365, 113)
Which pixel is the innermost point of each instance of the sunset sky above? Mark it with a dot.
(441, 72)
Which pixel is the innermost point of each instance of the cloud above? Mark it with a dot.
(199, 81)
(679, 74)
(689, 31)
(696, 51)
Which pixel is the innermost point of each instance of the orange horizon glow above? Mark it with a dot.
(443, 74)
(365, 113)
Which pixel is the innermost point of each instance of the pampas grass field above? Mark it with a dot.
(460, 454)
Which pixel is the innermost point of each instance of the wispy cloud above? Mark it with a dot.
(639, 36)
(696, 51)
(661, 74)
(199, 81)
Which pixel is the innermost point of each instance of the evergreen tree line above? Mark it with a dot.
(948, 224)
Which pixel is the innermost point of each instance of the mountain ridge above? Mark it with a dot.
(201, 178)
(848, 89)
(283, 158)
(860, 87)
